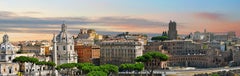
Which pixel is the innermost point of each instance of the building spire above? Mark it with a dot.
(5, 38)
(64, 27)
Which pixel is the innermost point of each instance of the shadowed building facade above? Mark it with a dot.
(172, 30)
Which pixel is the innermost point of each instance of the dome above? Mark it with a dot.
(64, 36)
(6, 45)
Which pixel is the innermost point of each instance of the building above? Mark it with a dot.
(190, 54)
(186, 53)
(172, 30)
(63, 47)
(7, 54)
(130, 36)
(88, 53)
(87, 36)
(156, 47)
(120, 51)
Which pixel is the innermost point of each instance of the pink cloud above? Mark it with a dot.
(210, 16)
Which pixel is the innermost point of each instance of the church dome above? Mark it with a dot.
(6, 45)
(64, 36)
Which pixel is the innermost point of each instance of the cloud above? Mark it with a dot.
(31, 12)
(10, 22)
(6, 14)
(210, 16)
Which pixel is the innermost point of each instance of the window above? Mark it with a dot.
(3, 57)
(9, 58)
(57, 47)
(64, 48)
(70, 47)
(10, 71)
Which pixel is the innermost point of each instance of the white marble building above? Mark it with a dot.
(63, 45)
(7, 54)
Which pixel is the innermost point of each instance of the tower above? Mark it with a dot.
(63, 45)
(172, 30)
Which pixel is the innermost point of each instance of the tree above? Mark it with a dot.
(131, 67)
(51, 66)
(32, 61)
(138, 67)
(164, 33)
(97, 73)
(109, 69)
(87, 69)
(67, 66)
(157, 38)
(20, 60)
(41, 63)
(149, 59)
(81, 65)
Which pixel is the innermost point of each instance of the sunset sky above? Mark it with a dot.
(39, 19)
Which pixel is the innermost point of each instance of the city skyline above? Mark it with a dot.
(40, 19)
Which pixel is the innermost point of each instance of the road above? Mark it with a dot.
(189, 72)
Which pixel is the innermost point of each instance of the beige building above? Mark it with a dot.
(87, 36)
(120, 51)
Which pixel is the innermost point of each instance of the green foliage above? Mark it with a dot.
(89, 68)
(139, 66)
(81, 65)
(107, 68)
(97, 73)
(214, 74)
(162, 38)
(41, 63)
(21, 59)
(67, 65)
(150, 56)
(131, 67)
(32, 60)
(52, 64)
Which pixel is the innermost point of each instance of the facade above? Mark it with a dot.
(156, 47)
(7, 54)
(63, 47)
(172, 30)
(88, 53)
(87, 37)
(190, 54)
(186, 53)
(120, 51)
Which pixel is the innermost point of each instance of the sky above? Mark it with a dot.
(40, 19)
